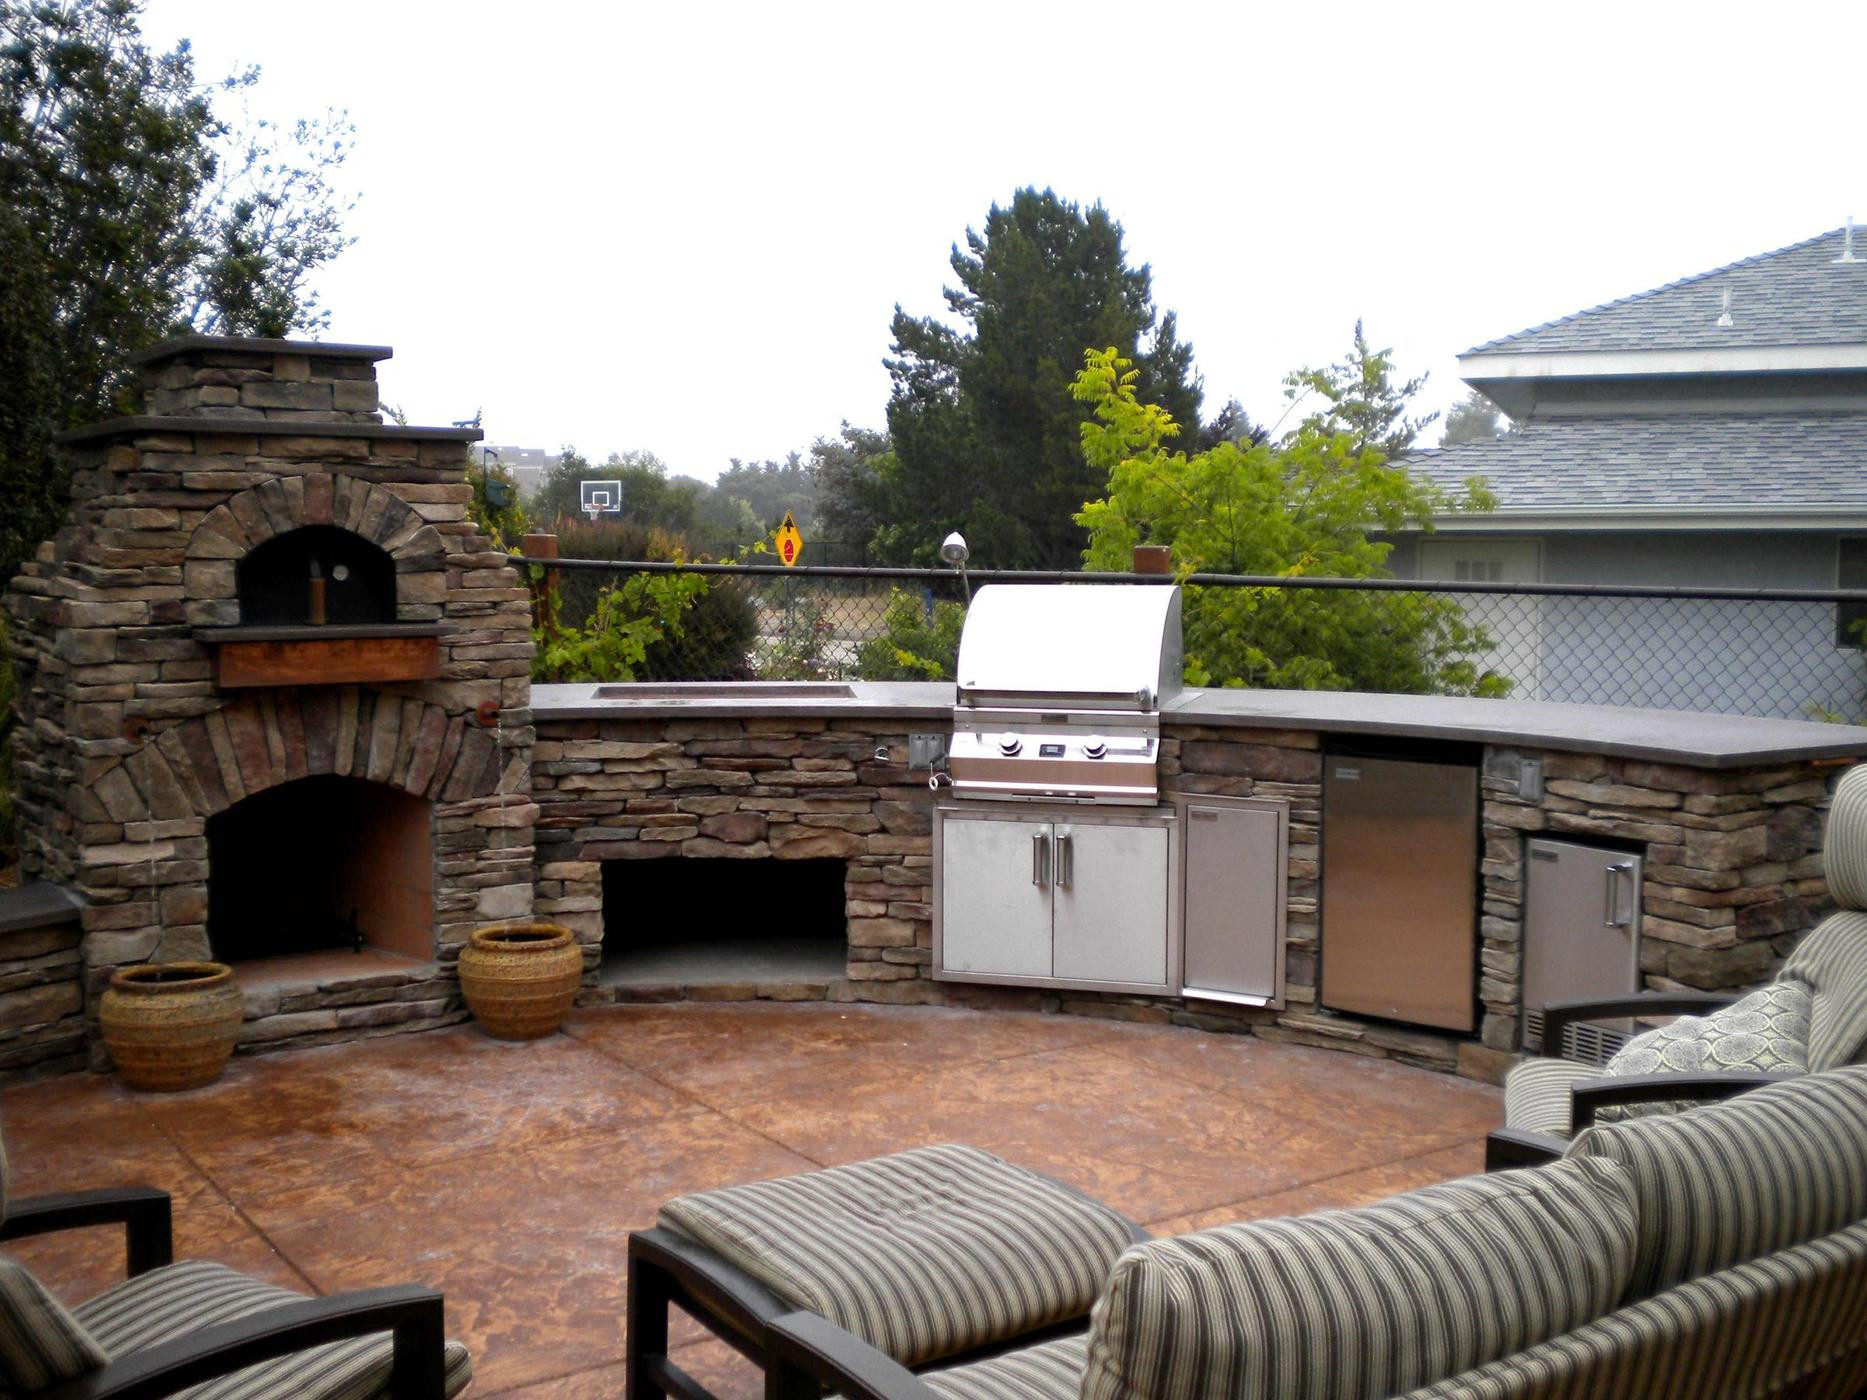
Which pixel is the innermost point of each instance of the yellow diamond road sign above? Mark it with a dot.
(789, 542)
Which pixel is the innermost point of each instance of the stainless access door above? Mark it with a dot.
(1399, 890)
(1234, 861)
(995, 896)
(1581, 926)
(1110, 921)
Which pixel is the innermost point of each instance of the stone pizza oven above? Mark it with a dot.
(276, 693)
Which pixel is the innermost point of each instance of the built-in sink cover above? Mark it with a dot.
(728, 690)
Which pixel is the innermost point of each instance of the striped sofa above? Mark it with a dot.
(1716, 1252)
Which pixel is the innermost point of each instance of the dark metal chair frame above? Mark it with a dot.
(669, 1269)
(1507, 1147)
(412, 1314)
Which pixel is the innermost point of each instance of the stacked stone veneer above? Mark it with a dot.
(1733, 873)
(42, 1029)
(128, 745)
(788, 789)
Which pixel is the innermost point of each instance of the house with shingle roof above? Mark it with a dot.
(1710, 432)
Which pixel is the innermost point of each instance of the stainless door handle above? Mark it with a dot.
(1066, 858)
(1040, 858)
(1613, 918)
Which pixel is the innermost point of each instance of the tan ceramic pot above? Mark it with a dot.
(171, 1025)
(520, 979)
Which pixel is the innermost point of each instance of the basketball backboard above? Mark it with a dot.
(601, 498)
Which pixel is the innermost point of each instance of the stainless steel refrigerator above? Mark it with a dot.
(1399, 890)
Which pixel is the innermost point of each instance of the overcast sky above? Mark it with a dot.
(684, 227)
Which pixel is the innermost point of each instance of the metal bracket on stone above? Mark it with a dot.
(486, 714)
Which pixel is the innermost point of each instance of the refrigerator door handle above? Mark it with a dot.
(1613, 918)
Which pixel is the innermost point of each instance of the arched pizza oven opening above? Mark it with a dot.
(316, 574)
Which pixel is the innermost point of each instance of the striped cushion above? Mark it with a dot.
(1729, 1182)
(1053, 1371)
(182, 1298)
(1767, 1031)
(40, 1343)
(1844, 843)
(1536, 1094)
(1754, 1329)
(921, 1254)
(1366, 1302)
(1832, 960)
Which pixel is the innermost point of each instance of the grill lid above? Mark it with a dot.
(1092, 644)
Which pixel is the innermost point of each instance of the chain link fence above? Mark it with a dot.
(1789, 654)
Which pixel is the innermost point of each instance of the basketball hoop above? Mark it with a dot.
(600, 498)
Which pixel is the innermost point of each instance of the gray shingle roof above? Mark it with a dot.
(1796, 295)
(1713, 461)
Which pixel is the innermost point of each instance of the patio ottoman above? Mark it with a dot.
(926, 1254)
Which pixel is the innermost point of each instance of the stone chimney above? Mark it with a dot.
(218, 376)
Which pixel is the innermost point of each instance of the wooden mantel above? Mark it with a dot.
(323, 655)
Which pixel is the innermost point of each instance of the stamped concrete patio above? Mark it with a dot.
(510, 1175)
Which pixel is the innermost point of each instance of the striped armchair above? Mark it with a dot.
(1548, 1099)
(201, 1329)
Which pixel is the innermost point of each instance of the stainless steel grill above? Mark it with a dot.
(1060, 692)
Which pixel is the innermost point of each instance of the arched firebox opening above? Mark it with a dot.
(316, 574)
(322, 865)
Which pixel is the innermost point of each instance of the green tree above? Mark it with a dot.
(850, 470)
(1474, 418)
(132, 210)
(1357, 395)
(771, 488)
(1307, 506)
(985, 437)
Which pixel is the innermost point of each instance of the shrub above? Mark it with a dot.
(919, 641)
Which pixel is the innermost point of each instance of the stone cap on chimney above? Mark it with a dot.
(255, 379)
(257, 346)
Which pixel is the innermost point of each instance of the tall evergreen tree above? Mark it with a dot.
(1357, 395)
(987, 439)
(1474, 418)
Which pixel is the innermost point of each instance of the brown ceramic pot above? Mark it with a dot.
(171, 1025)
(520, 979)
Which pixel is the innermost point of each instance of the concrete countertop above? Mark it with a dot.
(1661, 736)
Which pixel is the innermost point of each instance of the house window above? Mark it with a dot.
(1457, 559)
(1478, 571)
(1851, 572)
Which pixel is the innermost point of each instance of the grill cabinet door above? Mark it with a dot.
(995, 919)
(1111, 903)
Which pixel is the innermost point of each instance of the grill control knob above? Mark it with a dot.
(1095, 747)
(1009, 744)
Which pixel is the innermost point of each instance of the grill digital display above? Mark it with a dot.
(1050, 751)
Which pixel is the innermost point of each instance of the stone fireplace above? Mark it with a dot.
(276, 690)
